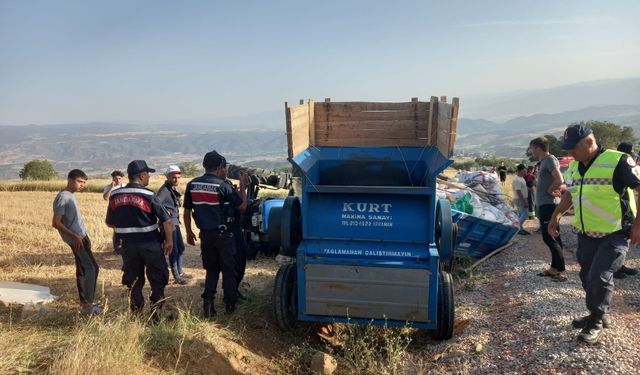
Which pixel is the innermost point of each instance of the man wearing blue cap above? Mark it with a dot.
(136, 215)
(599, 186)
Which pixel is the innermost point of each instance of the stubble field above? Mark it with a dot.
(56, 339)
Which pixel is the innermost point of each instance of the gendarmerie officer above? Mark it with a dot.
(135, 213)
(212, 202)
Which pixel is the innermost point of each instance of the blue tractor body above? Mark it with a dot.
(368, 239)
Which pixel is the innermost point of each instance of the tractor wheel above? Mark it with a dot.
(445, 234)
(291, 226)
(285, 297)
(446, 308)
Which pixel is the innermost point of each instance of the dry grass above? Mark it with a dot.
(102, 346)
(59, 341)
(93, 185)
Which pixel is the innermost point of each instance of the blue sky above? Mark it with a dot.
(148, 61)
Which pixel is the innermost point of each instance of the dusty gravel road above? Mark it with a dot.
(512, 321)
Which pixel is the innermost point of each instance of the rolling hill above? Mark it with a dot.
(504, 126)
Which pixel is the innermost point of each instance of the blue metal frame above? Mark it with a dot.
(429, 262)
(478, 237)
(370, 207)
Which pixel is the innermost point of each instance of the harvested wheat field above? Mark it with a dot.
(508, 319)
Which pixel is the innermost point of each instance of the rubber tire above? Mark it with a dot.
(446, 308)
(450, 265)
(275, 229)
(444, 222)
(291, 226)
(285, 297)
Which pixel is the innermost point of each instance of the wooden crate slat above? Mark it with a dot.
(299, 111)
(297, 128)
(443, 136)
(433, 120)
(372, 106)
(312, 122)
(346, 142)
(370, 116)
(455, 105)
(370, 134)
(398, 125)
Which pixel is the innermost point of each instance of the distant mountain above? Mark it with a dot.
(489, 124)
(100, 148)
(502, 107)
(511, 138)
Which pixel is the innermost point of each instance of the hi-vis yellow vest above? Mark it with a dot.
(597, 206)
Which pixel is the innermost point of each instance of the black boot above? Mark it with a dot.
(619, 275)
(628, 271)
(591, 332)
(582, 322)
(230, 308)
(208, 310)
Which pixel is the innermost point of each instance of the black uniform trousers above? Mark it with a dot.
(218, 255)
(137, 258)
(241, 255)
(599, 258)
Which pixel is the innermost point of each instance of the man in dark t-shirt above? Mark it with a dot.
(212, 202)
(502, 172)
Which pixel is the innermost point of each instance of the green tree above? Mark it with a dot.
(38, 170)
(610, 135)
(190, 169)
(464, 165)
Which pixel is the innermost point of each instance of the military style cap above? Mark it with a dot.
(212, 160)
(138, 166)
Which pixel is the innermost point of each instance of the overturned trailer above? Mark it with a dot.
(368, 240)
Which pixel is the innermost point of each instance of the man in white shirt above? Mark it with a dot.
(117, 181)
(520, 193)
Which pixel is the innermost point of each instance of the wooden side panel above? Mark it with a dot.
(371, 124)
(455, 105)
(443, 132)
(433, 120)
(297, 118)
(312, 122)
(410, 124)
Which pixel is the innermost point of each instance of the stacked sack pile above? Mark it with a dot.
(478, 194)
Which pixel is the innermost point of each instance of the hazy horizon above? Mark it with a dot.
(160, 61)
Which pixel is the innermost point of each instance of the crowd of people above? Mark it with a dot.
(146, 231)
(600, 184)
(602, 187)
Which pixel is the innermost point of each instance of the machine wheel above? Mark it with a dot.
(446, 308)
(285, 297)
(291, 227)
(275, 229)
(445, 234)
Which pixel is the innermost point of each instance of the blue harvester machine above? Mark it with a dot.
(368, 240)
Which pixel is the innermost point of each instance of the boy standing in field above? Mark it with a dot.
(67, 219)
